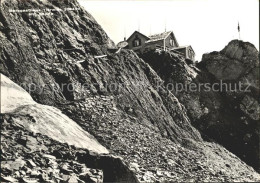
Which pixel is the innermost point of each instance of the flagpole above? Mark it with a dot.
(238, 28)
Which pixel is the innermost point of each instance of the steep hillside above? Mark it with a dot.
(226, 106)
(65, 79)
(59, 59)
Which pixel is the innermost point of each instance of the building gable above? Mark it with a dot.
(191, 49)
(175, 40)
(170, 41)
(136, 40)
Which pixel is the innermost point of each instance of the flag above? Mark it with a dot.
(238, 27)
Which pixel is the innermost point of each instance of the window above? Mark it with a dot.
(171, 42)
(136, 42)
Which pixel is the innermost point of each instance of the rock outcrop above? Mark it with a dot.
(238, 65)
(221, 94)
(67, 61)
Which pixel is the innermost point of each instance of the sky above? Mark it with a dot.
(206, 25)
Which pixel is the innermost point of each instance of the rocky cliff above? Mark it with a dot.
(65, 60)
(224, 100)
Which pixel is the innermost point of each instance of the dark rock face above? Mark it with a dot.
(238, 63)
(229, 116)
(118, 98)
(41, 44)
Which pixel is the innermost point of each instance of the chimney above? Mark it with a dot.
(124, 39)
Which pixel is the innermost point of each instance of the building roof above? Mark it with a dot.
(157, 37)
(136, 32)
(161, 36)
